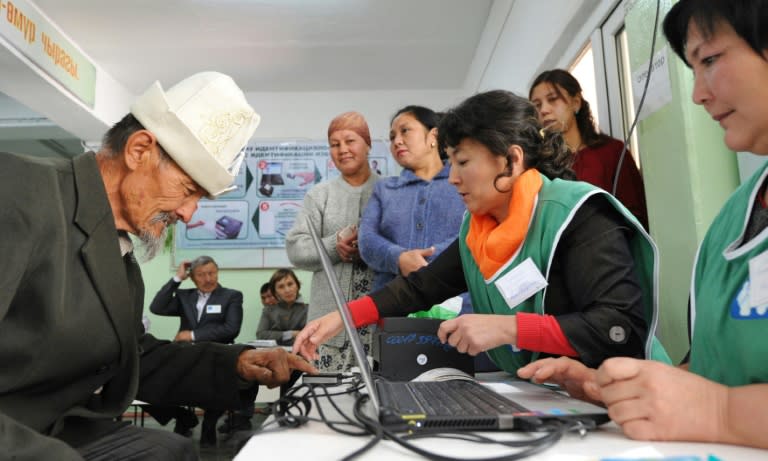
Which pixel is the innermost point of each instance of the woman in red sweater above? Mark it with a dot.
(561, 106)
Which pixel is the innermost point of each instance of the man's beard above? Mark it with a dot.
(150, 245)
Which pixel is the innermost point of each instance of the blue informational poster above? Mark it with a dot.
(261, 210)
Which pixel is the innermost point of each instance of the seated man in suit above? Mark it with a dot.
(208, 312)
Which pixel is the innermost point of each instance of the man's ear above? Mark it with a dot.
(139, 148)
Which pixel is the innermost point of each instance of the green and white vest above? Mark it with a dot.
(730, 335)
(556, 205)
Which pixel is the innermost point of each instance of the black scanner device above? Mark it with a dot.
(404, 348)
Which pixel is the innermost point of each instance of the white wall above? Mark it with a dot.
(307, 114)
(531, 31)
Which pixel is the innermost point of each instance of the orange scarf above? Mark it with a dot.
(492, 244)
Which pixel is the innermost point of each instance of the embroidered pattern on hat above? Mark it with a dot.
(219, 129)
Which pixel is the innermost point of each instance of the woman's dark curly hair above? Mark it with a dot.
(499, 119)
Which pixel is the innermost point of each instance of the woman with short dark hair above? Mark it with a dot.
(553, 266)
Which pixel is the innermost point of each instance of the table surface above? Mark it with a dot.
(315, 441)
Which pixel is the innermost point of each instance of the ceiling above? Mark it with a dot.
(279, 45)
(267, 46)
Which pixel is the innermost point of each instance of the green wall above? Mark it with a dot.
(158, 271)
(688, 173)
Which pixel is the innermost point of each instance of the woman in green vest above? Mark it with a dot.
(553, 266)
(720, 393)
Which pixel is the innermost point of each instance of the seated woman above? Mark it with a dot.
(282, 321)
(553, 267)
(561, 107)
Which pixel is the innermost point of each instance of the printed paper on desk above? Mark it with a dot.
(520, 283)
(758, 280)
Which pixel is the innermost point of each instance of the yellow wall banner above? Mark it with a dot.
(24, 27)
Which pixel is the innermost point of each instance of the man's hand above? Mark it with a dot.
(183, 271)
(413, 260)
(271, 367)
(183, 336)
(315, 333)
(569, 374)
(476, 333)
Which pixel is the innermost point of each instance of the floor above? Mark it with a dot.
(226, 448)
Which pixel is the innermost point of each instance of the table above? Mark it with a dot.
(315, 441)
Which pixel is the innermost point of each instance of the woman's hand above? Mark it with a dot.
(569, 374)
(413, 260)
(476, 333)
(654, 401)
(346, 245)
(315, 333)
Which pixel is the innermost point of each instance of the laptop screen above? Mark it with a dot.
(349, 326)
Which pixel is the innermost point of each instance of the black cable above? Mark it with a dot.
(292, 410)
(639, 105)
(372, 426)
(334, 425)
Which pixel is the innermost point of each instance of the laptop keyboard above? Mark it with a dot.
(444, 398)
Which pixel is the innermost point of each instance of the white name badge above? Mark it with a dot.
(758, 280)
(213, 309)
(520, 283)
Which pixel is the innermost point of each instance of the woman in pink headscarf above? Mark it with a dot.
(334, 208)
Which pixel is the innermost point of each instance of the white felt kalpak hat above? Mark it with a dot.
(203, 122)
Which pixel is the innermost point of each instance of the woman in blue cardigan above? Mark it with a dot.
(410, 218)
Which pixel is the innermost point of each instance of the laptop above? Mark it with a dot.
(506, 403)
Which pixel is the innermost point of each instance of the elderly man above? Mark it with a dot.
(72, 345)
(208, 312)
